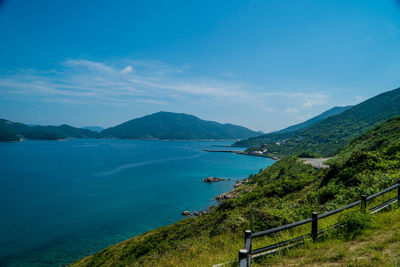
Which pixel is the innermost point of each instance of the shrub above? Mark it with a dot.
(355, 222)
(307, 154)
(261, 220)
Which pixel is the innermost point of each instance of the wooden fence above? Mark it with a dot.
(248, 253)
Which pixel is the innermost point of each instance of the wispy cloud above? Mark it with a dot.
(128, 81)
(127, 69)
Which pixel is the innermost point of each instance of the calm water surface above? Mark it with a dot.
(60, 201)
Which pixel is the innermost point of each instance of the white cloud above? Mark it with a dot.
(308, 104)
(124, 82)
(127, 69)
(86, 64)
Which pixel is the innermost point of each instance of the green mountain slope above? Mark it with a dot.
(68, 131)
(15, 128)
(178, 126)
(326, 137)
(331, 112)
(15, 131)
(285, 192)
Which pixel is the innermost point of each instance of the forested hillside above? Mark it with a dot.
(176, 126)
(14, 131)
(326, 137)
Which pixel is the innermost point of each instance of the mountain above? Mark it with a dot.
(15, 128)
(331, 112)
(176, 126)
(326, 137)
(290, 131)
(93, 128)
(161, 125)
(13, 131)
(65, 131)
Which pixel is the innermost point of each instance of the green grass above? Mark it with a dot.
(376, 245)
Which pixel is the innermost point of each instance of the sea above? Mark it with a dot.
(64, 200)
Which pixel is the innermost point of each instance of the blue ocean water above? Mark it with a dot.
(60, 201)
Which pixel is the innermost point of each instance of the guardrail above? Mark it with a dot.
(247, 254)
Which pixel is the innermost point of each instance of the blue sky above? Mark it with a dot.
(261, 64)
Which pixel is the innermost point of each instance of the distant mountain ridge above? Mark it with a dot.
(326, 137)
(176, 126)
(161, 125)
(291, 130)
(13, 131)
(331, 112)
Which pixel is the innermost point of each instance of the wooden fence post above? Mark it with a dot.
(247, 245)
(243, 254)
(398, 193)
(363, 203)
(314, 226)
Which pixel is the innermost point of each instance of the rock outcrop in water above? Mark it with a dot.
(211, 179)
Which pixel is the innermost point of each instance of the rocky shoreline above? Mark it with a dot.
(243, 153)
(195, 213)
(233, 193)
(222, 197)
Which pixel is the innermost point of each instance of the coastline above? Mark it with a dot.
(241, 153)
(134, 139)
(239, 183)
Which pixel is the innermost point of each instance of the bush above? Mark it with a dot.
(307, 154)
(261, 220)
(392, 149)
(327, 193)
(355, 222)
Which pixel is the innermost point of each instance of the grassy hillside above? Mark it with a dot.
(178, 126)
(326, 137)
(377, 244)
(284, 192)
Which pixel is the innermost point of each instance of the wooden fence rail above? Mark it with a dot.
(248, 253)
